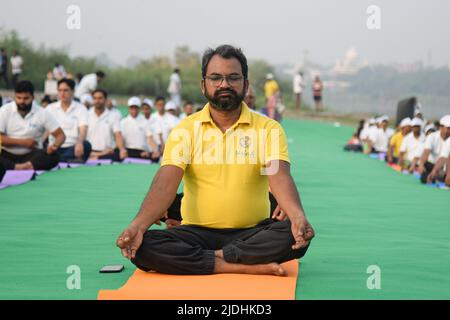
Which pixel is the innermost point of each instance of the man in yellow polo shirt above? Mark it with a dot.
(396, 141)
(228, 157)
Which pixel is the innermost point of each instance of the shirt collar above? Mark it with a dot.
(33, 110)
(245, 117)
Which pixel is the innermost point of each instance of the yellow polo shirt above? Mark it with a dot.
(270, 88)
(223, 182)
(396, 141)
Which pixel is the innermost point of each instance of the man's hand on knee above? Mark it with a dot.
(130, 241)
(302, 232)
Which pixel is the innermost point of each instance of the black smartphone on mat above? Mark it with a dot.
(116, 268)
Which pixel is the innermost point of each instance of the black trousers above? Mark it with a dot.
(40, 159)
(2, 171)
(428, 168)
(188, 249)
(132, 153)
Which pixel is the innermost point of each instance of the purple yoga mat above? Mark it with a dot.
(16, 177)
(98, 162)
(136, 161)
(63, 165)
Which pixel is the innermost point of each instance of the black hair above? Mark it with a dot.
(24, 86)
(225, 51)
(160, 98)
(100, 74)
(69, 82)
(47, 99)
(105, 94)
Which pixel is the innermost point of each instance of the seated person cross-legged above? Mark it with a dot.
(225, 226)
(137, 135)
(22, 127)
(104, 131)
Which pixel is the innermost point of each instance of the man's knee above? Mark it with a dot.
(149, 250)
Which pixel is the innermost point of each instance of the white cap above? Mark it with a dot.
(416, 122)
(372, 121)
(445, 121)
(148, 102)
(269, 76)
(405, 123)
(382, 118)
(134, 101)
(170, 105)
(429, 127)
(86, 98)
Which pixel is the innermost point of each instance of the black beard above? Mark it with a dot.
(226, 104)
(24, 107)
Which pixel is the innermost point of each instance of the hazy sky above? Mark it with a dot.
(277, 30)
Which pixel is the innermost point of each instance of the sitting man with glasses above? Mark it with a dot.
(228, 157)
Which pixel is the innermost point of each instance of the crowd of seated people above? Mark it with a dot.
(416, 146)
(75, 129)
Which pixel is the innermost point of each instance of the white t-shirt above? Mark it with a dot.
(16, 64)
(367, 132)
(174, 84)
(434, 142)
(33, 126)
(70, 120)
(116, 113)
(155, 127)
(135, 132)
(167, 122)
(59, 72)
(412, 146)
(297, 84)
(101, 130)
(445, 150)
(380, 138)
(87, 84)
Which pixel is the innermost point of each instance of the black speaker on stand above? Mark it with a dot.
(405, 109)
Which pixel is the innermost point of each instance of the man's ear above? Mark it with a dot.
(246, 86)
(202, 84)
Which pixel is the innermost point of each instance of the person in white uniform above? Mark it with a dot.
(137, 136)
(411, 145)
(89, 83)
(174, 88)
(378, 139)
(22, 127)
(441, 166)
(72, 116)
(104, 131)
(166, 121)
(432, 148)
(152, 123)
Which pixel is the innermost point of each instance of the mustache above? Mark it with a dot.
(225, 91)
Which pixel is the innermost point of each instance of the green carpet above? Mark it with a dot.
(363, 212)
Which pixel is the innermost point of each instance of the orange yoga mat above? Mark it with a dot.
(157, 286)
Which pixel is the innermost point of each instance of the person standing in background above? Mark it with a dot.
(297, 89)
(16, 67)
(317, 93)
(4, 67)
(174, 88)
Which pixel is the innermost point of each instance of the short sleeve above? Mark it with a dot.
(276, 143)
(177, 151)
(445, 152)
(83, 117)
(403, 146)
(3, 120)
(50, 122)
(115, 124)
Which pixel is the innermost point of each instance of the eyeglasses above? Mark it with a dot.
(216, 80)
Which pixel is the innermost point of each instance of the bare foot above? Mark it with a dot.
(270, 269)
(24, 166)
(221, 266)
